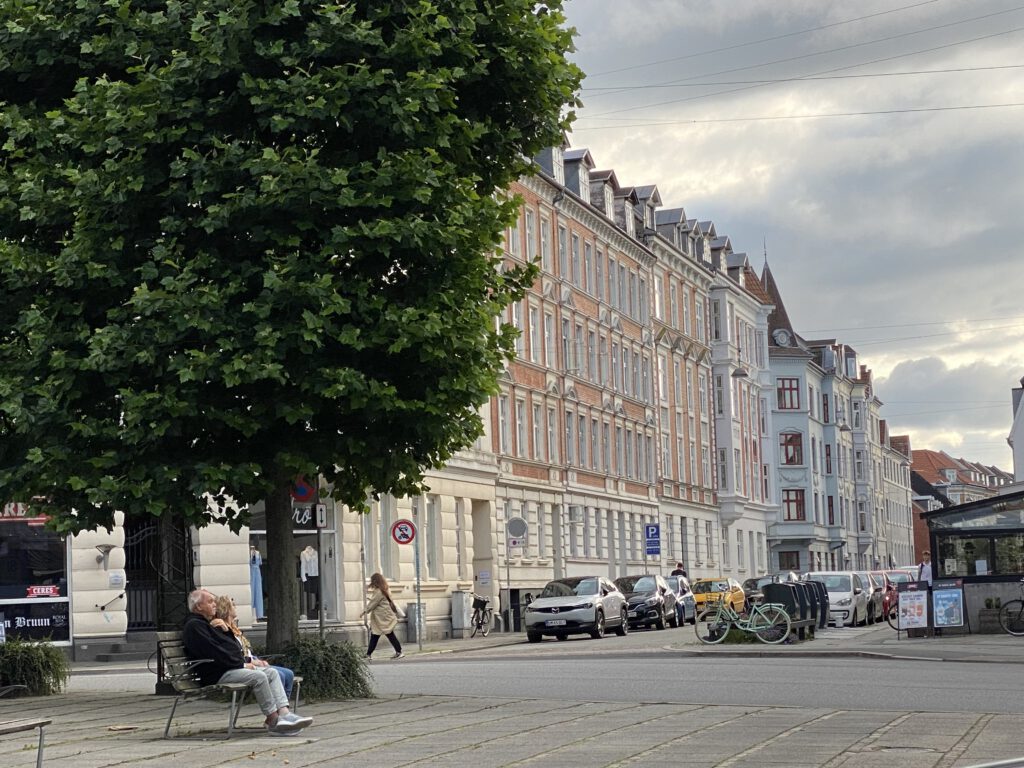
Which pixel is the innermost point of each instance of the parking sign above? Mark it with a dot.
(652, 538)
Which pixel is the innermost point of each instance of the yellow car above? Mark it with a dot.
(708, 591)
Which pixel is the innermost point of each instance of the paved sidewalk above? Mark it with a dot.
(93, 730)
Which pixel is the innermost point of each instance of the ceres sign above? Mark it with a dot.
(17, 512)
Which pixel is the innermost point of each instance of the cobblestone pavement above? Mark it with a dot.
(124, 729)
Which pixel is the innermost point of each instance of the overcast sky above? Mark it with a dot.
(897, 233)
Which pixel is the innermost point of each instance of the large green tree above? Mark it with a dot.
(246, 240)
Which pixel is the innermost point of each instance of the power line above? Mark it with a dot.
(933, 335)
(803, 78)
(762, 40)
(832, 50)
(656, 123)
(912, 325)
(945, 410)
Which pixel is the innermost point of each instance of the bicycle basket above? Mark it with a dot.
(480, 603)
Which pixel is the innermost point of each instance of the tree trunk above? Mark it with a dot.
(283, 613)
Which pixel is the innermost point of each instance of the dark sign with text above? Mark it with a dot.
(37, 621)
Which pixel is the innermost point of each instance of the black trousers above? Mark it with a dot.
(391, 638)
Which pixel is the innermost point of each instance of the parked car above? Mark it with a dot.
(649, 601)
(708, 591)
(686, 605)
(876, 597)
(752, 587)
(890, 599)
(847, 599)
(576, 605)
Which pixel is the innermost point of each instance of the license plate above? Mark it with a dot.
(554, 623)
(632, 614)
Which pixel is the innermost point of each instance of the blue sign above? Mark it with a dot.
(652, 538)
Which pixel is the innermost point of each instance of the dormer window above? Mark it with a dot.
(649, 216)
(609, 201)
(630, 221)
(558, 165)
(584, 182)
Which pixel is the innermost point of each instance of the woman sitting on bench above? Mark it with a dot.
(226, 620)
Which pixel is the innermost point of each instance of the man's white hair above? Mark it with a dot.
(193, 599)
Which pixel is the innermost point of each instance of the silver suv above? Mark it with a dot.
(576, 605)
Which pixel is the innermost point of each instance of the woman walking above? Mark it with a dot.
(383, 615)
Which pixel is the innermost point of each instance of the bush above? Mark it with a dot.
(41, 667)
(329, 670)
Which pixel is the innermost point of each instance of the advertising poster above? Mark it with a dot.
(913, 609)
(948, 603)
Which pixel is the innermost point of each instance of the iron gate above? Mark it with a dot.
(158, 568)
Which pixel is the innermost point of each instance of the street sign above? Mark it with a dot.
(514, 543)
(302, 491)
(321, 515)
(403, 531)
(652, 538)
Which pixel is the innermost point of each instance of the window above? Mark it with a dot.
(552, 436)
(739, 549)
(503, 424)
(432, 540)
(534, 335)
(707, 540)
(520, 427)
(606, 447)
(531, 236)
(34, 562)
(824, 409)
(791, 448)
(538, 433)
(658, 288)
(789, 561)
(517, 321)
(545, 244)
(686, 311)
(788, 394)
(513, 238)
(793, 504)
(549, 340)
(831, 510)
(673, 306)
(828, 459)
(725, 548)
(700, 319)
(613, 282)
(570, 438)
(563, 252)
(723, 469)
(599, 274)
(588, 267)
(574, 268)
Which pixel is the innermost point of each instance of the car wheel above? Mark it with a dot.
(623, 629)
(561, 636)
(693, 619)
(660, 623)
(871, 615)
(673, 620)
(534, 637)
(853, 623)
(598, 631)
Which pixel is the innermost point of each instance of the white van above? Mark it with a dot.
(847, 596)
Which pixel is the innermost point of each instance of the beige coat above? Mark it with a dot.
(382, 619)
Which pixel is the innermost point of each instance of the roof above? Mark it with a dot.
(670, 216)
(648, 192)
(575, 155)
(753, 286)
(779, 318)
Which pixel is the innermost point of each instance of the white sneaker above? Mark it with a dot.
(398, 655)
(302, 722)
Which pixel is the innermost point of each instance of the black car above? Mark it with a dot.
(649, 601)
(752, 587)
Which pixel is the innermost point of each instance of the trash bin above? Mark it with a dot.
(411, 622)
(462, 612)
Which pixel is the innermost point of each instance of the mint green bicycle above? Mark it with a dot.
(769, 622)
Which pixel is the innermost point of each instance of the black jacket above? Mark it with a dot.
(205, 642)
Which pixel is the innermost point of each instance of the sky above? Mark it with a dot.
(873, 150)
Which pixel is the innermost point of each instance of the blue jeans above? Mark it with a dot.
(287, 678)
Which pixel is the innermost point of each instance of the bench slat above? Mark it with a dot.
(28, 724)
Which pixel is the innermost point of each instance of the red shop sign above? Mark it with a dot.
(49, 590)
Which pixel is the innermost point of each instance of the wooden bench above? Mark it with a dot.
(24, 724)
(181, 672)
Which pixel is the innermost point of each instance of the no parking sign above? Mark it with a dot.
(403, 531)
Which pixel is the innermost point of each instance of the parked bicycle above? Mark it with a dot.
(1011, 615)
(769, 622)
(483, 615)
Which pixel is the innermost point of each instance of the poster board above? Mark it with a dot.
(913, 605)
(948, 603)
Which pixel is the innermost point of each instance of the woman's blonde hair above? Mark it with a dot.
(377, 581)
(225, 607)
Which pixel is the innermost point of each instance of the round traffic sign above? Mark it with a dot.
(302, 491)
(403, 531)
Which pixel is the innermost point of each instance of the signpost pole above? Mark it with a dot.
(416, 560)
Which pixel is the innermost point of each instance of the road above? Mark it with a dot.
(866, 684)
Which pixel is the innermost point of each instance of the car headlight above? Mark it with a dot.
(844, 601)
(580, 607)
(650, 601)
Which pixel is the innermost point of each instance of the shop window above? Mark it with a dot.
(33, 578)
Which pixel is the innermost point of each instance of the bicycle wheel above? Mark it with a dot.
(1011, 618)
(893, 617)
(485, 625)
(476, 623)
(711, 627)
(770, 624)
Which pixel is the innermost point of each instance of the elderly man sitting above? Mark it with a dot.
(227, 665)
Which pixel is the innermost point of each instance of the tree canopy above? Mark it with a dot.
(242, 241)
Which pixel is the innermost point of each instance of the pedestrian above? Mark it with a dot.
(224, 663)
(924, 568)
(226, 620)
(679, 571)
(383, 615)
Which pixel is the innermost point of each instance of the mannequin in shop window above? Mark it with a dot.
(256, 581)
(309, 572)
